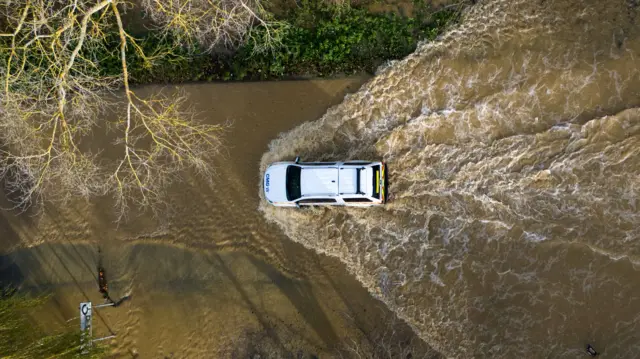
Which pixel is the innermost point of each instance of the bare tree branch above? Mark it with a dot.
(213, 23)
(54, 95)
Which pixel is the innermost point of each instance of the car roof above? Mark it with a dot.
(331, 181)
(319, 181)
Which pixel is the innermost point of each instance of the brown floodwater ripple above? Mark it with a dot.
(213, 279)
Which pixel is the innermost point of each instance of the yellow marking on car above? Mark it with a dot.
(382, 186)
(377, 182)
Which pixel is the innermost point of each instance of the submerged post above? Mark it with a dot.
(85, 319)
(86, 323)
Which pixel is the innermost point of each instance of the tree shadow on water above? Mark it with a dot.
(9, 238)
(270, 341)
(48, 268)
(219, 263)
(303, 299)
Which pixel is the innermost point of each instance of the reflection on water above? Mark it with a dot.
(214, 277)
(513, 145)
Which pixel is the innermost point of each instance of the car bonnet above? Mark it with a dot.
(274, 183)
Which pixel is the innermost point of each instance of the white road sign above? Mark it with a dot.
(85, 316)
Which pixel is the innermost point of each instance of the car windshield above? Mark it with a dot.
(293, 182)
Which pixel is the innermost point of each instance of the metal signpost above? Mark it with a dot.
(86, 326)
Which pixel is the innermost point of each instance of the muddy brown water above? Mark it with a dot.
(513, 147)
(214, 279)
(512, 229)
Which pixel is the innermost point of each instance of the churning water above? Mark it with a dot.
(512, 143)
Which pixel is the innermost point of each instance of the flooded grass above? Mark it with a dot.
(20, 338)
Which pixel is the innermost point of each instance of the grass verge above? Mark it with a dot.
(321, 41)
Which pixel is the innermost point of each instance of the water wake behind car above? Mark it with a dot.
(513, 146)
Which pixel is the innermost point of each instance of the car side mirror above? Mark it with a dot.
(298, 159)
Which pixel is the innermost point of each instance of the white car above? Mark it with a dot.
(352, 183)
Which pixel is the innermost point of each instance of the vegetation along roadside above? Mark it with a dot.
(20, 339)
(310, 39)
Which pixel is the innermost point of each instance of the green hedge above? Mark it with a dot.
(321, 41)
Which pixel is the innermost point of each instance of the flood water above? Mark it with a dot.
(512, 228)
(214, 278)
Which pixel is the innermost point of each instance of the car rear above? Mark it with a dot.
(379, 181)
